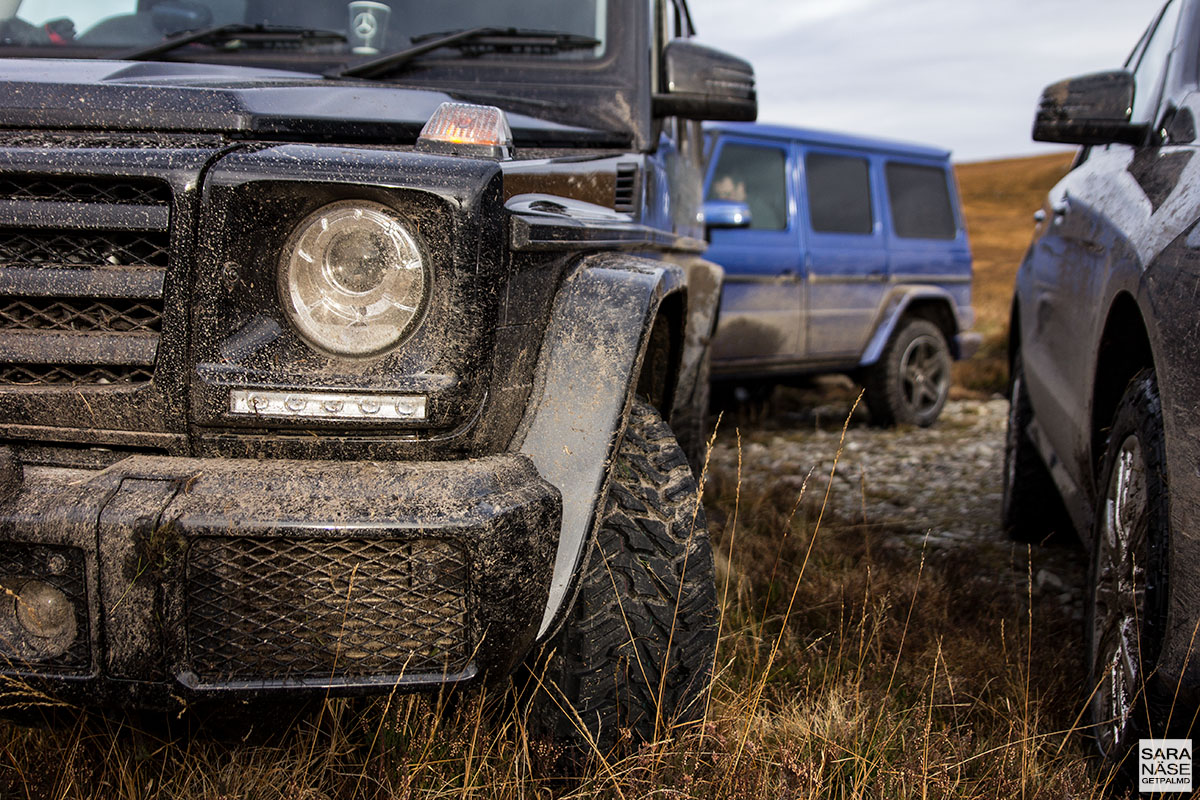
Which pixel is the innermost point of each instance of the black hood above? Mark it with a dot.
(238, 101)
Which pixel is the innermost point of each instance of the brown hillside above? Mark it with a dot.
(999, 200)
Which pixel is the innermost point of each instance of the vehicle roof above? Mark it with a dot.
(762, 130)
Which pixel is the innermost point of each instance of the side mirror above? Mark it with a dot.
(1090, 109)
(702, 83)
(726, 214)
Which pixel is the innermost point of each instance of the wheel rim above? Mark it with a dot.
(924, 375)
(1119, 593)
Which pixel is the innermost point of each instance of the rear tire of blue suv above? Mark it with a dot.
(1127, 601)
(911, 381)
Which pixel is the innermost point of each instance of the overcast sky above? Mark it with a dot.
(961, 74)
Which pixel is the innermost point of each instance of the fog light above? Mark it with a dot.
(47, 613)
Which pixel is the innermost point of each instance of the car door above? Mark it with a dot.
(1109, 213)
(762, 299)
(846, 270)
(1065, 266)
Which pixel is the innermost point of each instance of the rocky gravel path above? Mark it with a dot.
(934, 488)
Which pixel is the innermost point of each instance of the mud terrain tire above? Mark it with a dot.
(911, 381)
(636, 652)
(1128, 585)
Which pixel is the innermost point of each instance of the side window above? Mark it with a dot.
(757, 177)
(839, 193)
(920, 201)
(1152, 65)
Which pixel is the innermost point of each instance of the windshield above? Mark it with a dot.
(357, 29)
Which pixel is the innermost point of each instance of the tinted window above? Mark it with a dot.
(920, 201)
(1152, 66)
(839, 193)
(755, 176)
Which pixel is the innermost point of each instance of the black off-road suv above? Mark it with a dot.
(341, 348)
(1105, 378)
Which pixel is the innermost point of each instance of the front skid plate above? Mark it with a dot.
(206, 576)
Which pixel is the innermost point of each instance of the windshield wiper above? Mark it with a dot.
(222, 34)
(472, 39)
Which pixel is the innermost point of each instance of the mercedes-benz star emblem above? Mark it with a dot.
(365, 25)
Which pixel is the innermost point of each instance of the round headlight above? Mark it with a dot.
(46, 613)
(352, 279)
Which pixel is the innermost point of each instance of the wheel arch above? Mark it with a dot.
(694, 320)
(1124, 349)
(919, 302)
(936, 310)
(658, 375)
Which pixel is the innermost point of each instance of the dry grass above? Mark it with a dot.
(999, 199)
(846, 669)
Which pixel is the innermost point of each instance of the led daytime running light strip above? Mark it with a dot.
(326, 405)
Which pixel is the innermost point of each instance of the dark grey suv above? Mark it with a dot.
(1105, 372)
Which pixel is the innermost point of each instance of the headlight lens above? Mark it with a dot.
(352, 279)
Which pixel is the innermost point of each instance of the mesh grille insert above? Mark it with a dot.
(84, 190)
(80, 314)
(71, 375)
(86, 248)
(83, 256)
(92, 140)
(267, 608)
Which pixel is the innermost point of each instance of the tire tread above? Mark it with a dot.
(653, 541)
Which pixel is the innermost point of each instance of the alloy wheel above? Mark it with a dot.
(924, 377)
(1119, 593)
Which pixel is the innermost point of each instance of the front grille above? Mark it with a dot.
(273, 609)
(22, 565)
(116, 249)
(83, 261)
(83, 190)
(68, 375)
(79, 314)
(114, 141)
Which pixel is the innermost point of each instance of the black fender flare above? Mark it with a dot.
(587, 371)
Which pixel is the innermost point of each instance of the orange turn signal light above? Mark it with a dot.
(465, 129)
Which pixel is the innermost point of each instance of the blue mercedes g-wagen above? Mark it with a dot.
(842, 254)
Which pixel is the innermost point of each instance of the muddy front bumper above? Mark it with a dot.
(161, 580)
